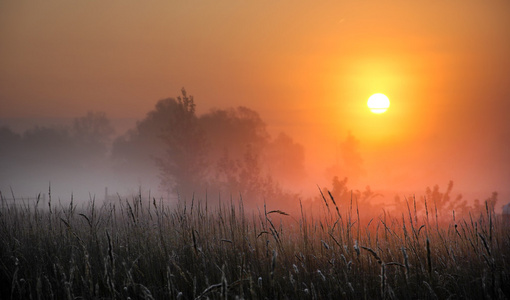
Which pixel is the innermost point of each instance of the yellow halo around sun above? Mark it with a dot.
(378, 103)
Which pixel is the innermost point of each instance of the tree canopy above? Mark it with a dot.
(224, 150)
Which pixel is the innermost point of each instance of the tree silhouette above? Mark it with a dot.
(135, 153)
(94, 128)
(183, 166)
(224, 150)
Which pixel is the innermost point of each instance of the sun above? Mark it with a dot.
(378, 103)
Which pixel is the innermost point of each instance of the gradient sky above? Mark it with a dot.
(307, 67)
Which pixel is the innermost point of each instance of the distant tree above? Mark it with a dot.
(8, 140)
(349, 161)
(49, 146)
(351, 156)
(286, 159)
(443, 201)
(243, 158)
(223, 150)
(168, 141)
(486, 206)
(345, 197)
(136, 151)
(183, 166)
(46, 153)
(245, 176)
(231, 131)
(7, 136)
(10, 147)
(94, 127)
(446, 203)
(340, 192)
(92, 134)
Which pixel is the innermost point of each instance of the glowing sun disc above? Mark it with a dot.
(378, 103)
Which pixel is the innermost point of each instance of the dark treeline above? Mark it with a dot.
(31, 160)
(223, 152)
(79, 145)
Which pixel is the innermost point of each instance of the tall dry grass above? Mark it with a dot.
(147, 250)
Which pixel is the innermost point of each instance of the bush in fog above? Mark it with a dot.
(443, 203)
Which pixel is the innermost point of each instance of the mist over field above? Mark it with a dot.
(176, 154)
(170, 152)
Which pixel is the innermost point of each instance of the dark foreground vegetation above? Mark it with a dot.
(138, 249)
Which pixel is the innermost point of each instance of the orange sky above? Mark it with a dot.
(306, 67)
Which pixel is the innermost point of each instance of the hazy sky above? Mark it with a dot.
(308, 67)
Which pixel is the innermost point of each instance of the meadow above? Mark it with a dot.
(146, 249)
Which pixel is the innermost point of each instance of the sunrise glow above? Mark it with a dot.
(378, 103)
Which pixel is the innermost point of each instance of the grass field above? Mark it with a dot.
(136, 249)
